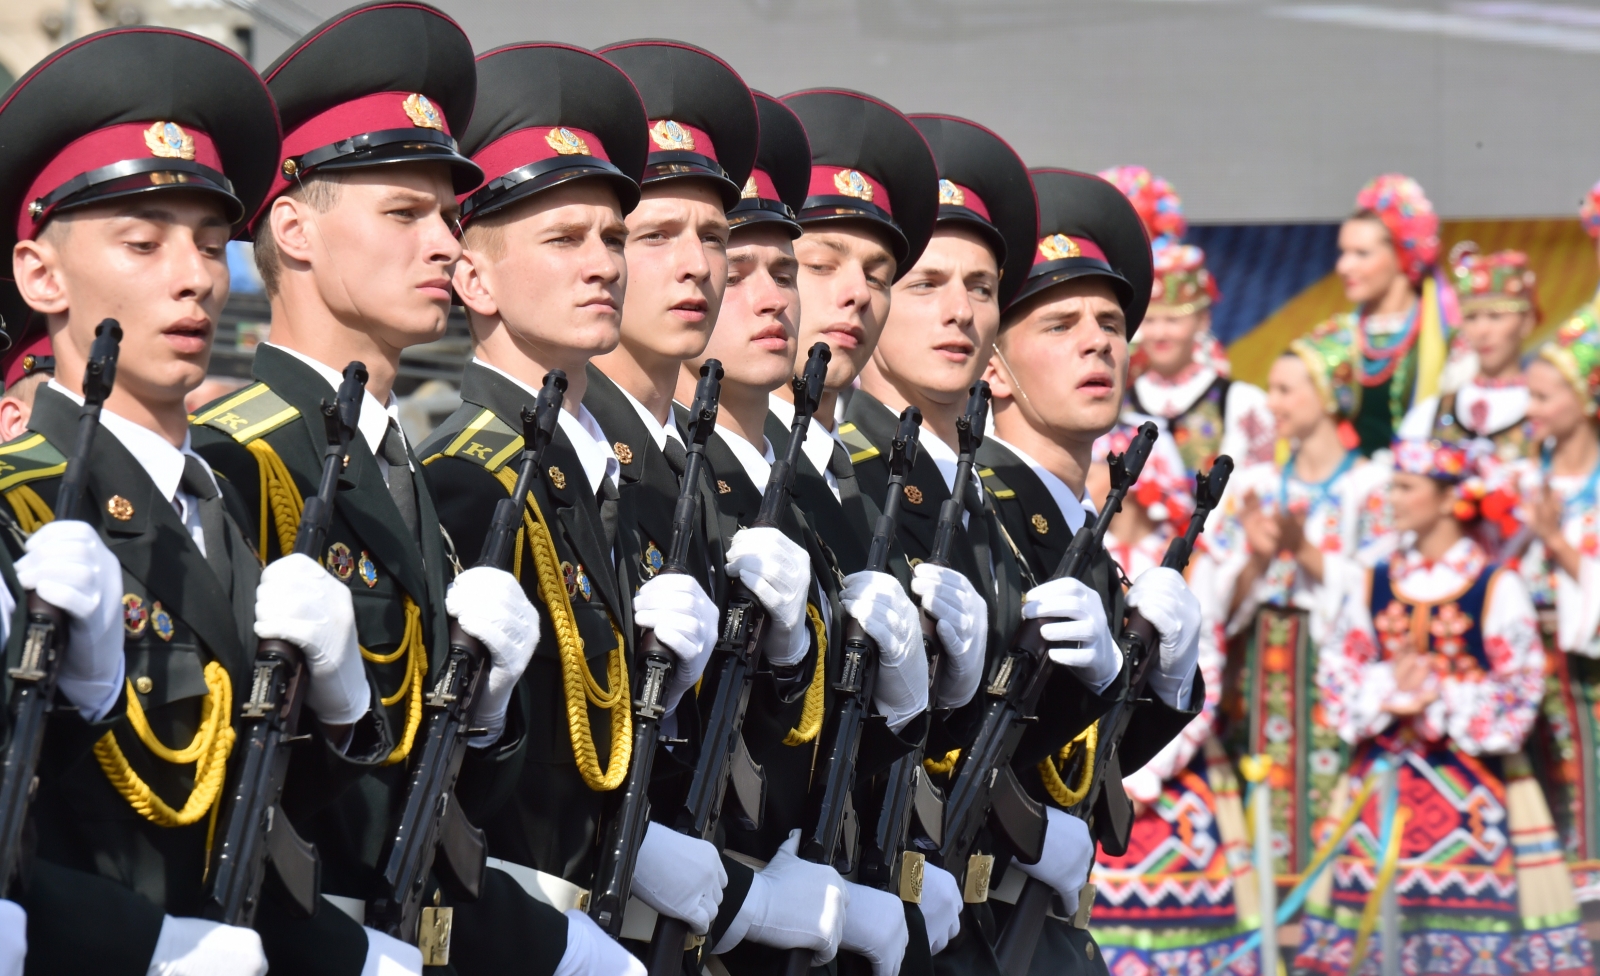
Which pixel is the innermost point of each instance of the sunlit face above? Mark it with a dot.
(757, 332)
(677, 255)
(155, 262)
(846, 271)
(1062, 359)
(1553, 405)
(944, 317)
(1167, 336)
(1496, 335)
(1292, 397)
(1418, 502)
(1367, 264)
(556, 274)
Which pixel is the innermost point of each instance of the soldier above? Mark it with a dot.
(126, 183)
(25, 366)
(356, 246)
(1058, 375)
(562, 138)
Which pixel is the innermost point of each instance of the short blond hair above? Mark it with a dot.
(318, 191)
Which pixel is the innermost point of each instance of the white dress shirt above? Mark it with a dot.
(589, 442)
(659, 432)
(373, 423)
(1074, 509)
(818, 447)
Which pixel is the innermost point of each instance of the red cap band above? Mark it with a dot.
(515, 150)
(953, 194)
(17, 358)
(369, 113)
(760, 186)
(1057, 247)
(667, 135)
(838, 181)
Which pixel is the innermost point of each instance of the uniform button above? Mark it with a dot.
(143, 685)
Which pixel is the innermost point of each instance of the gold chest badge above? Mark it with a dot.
(914, 494)
(1040, 524)
(167, 140)
(422, 113)
(566, 142)
(557, 478)
(852, 184)
(623, 452)
(671, 136)
(119, 508)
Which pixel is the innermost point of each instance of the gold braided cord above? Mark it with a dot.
(1053, 783)
(939, 767)
(811, 714)
(209, 750)
(278, 495)
(413, 646)
(31, 510)
(577, 681)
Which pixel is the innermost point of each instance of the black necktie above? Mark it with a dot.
(198, 483)
(677, 457)
(607, 498)
(845, 473)
(400, 486)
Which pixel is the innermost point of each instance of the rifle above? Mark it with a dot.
(1020, 938)
(729, 676)
(614, 879)
(853, 688)
(986, 788)
(254, 828)
(886, 864)
(431, 820)
(45, 642)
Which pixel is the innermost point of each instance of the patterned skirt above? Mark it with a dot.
(1565, 751)
(1471, 900)
(1169, 905)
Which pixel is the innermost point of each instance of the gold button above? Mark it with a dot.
(143, 685)
(1088, 950)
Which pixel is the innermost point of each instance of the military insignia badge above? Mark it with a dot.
(671, 136)
(951, 195)
(853, 184)
(167, 140)
(134, 615)
(566, 142)
(368, 570)
(422, 113)
(750, 191)
(1040, 524)
(914, 494)
(1059, 246)
(161, 621)
(723, 488)
(651, 561)
(341, 561)
(119, 508)
(623, 452)
(577, 580)
(557, 478)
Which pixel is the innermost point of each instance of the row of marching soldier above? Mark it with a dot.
(801, 581)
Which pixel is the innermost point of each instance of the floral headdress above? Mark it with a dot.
(1589, 211)
(1163, 487)
(1182, 280)
(1328, 353)
(1462, 467)
(1501, 280)
(1398, 201)
(1155, 200)
(1576, 352)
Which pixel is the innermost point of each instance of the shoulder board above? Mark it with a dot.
(249, 414)
(860, 448)
(996, 487)
(486, 440)
(29, 458)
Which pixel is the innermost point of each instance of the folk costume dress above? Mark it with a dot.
(1475, 883)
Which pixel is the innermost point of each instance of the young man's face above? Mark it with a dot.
(941, 326)
(677, 268)
(1063, 360)
(383, 255)
(846, 272)
(1167, 336)
(552, 269)
(757, 333)
(155, 262)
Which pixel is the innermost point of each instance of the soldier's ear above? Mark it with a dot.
(473, 289)
(999, 379)
(290, 222)
(36, 268)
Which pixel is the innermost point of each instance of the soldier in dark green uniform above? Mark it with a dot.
(356, 246)
(125, 184)
(561, 135)
(1058, 373)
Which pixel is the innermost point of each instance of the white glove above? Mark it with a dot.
(792, 904)
(676, 607)
(590, 952)
(1082, 619)
(300, 602)
(13, 938)
(196, 947)
(388, 956)
(1165, 600)
(680, 876)
(778, 573)
(490, 605)
(1068, 855)
(68, 565)
(963, 627)
(941, 906)
(876, 928)
(889, 617)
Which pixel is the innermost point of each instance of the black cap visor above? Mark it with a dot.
(829, 208)
(754, 210)
(525, 181)
(681, 164)
(950, 214)
(1052, 273)
(386, 147)
(134, 176)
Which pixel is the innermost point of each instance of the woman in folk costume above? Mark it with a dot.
(1435, 663)
(1499, 301)
(1405, 310)
(1183, 895)
(1180, 372)
(1283, 534)
(1562, 569)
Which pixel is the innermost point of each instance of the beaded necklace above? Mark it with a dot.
(1378, 363)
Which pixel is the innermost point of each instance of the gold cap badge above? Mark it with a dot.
(853, 184)
(951, 195)
(119, 508)
(1059, 246)
(566, 142)
(422, 113)
(751, 191)
(168, 141)
(668, 134)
